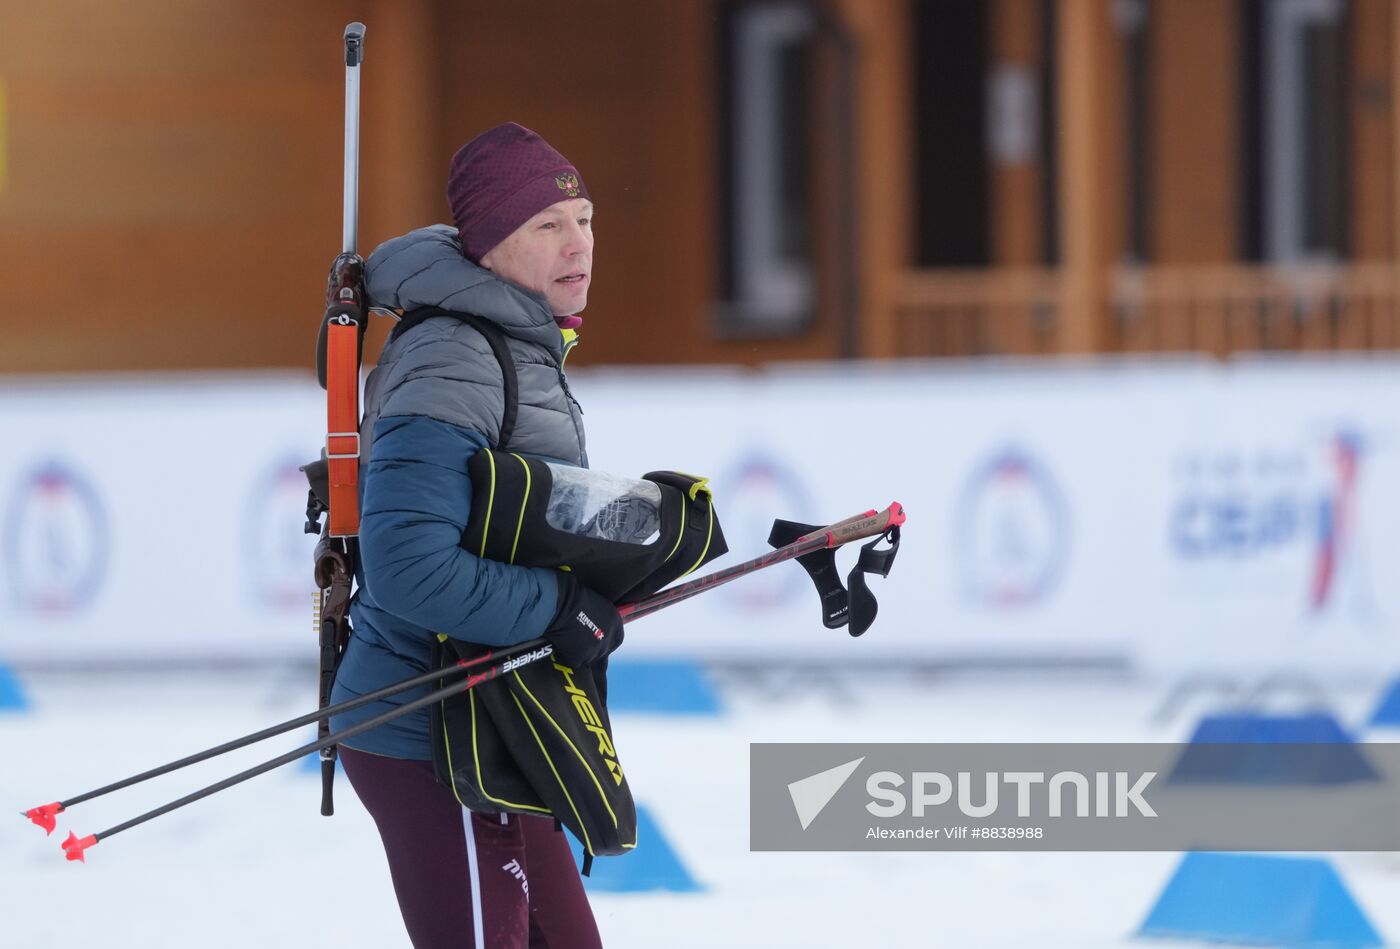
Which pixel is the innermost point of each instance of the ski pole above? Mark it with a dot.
(854, 528)
(75, 846)
(44, 816)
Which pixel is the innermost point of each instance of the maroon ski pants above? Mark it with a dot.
(465, 880)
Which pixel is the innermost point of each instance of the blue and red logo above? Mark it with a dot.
(1012, 532)
(56, 541)
(759, 489)
(1247, 514)
(1336, 520)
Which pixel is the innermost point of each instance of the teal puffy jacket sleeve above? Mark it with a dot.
(416, 502)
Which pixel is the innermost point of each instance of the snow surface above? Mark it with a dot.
(258, 866)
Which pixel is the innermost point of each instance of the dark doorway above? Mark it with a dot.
(951, 179)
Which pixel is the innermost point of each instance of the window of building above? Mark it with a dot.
(1295, 149)
(766, 53)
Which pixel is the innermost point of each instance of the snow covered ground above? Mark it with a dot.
(257, 865)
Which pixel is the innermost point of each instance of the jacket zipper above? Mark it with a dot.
(570, 341)
(568, 348)
(565, 383)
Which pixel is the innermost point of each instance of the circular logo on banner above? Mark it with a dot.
(1013, 532)
(278, 549)
(761, 489)
(56, 541)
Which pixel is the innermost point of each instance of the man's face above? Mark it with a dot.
(552, 253)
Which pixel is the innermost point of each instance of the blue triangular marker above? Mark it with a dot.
(1319, 751)
(12, 697)
(653, 866)
(1257, 899)
(1387, 713)
(1258, 728)
(660, 686)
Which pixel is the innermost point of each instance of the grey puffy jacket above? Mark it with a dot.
(435, 398)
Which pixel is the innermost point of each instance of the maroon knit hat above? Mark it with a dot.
(501, 179)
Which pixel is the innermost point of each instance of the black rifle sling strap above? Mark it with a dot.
(496, 339)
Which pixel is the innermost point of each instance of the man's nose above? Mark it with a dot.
(577, 241)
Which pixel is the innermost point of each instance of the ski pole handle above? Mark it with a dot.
(821, 532)
(354, 55)
(872, 525)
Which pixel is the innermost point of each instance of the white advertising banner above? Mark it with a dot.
(157, 519)
(1177, 515)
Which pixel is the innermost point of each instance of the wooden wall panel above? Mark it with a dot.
(175, 167)
(885, 158)
(173, 182)
(1090, 171)
(1194, 200)
(1016, 186)
(1372, 156)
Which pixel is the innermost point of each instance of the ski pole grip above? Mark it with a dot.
(824, 531)
(870, 526)
(354, 44)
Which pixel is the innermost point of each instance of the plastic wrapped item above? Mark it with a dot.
(604, 506)
(624, 538)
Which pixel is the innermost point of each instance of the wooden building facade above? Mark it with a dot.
(775, 179)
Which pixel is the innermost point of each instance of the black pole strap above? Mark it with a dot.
(863, 605)
(857, 607)
(820, 566)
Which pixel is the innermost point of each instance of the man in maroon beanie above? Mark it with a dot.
(522, 211)
(520, 256)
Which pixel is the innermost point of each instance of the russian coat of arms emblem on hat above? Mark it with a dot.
(568, 184)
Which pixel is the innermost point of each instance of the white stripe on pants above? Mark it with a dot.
(474, 868)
